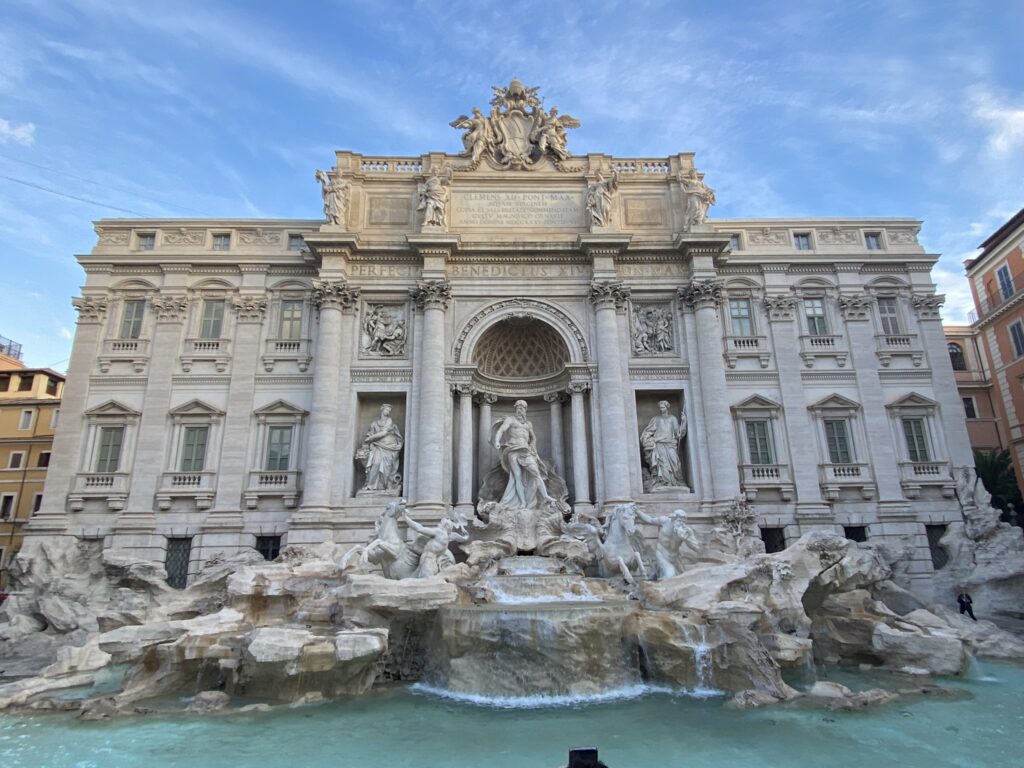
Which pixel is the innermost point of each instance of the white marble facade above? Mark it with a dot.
(226, 373)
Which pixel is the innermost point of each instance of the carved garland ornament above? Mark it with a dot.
(183, 236)
(90, 309)
(701, 293)
(169, 309)
(334, 294)
(531, 308)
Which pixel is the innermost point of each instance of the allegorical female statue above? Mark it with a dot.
(379, 455)
(660, 443)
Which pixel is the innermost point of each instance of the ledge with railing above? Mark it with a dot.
(890, 345)
(813, 346)
(134, 351)
(112, 486)
(997, 295)
(746, 346)
(775, 477)
(200, 485)
(276, 350)
(217, 351)
(916, 474)
(283, 483)
(835, 477)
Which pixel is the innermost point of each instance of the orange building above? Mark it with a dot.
(29, 408)
(997, 284)
(985, 425)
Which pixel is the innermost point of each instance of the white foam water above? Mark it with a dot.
(568, 700)
(501, 597)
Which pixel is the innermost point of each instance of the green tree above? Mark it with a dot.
(995, 470)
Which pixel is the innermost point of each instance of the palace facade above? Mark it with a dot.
(256, 383)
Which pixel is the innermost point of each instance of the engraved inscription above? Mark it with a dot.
(517, 209)
(389, 210)
(519, 270)
(383, 270)
(644, 212)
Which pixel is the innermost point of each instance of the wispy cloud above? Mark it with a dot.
(19, 133)
(1005, 123)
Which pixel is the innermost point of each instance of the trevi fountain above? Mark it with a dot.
(530, 616)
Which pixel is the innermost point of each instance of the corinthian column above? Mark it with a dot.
(580, 454)
(608, 298)
(704, 298)
(483, 439)
(331, 298)
(464, 504)
(555, 399)
(432, 298)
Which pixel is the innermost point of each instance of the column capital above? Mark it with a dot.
(927, 305)
(701, 293)
(250, 308)
(780, 307)
(335, 294)
(554, 397)
(484, 398)
(91, 309)
(463, 389)
(432, 293)
(608, 294)
(855, 306)
(169, 309)
(578, 388)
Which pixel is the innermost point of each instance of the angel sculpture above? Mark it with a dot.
(479, 135)
(549, 133)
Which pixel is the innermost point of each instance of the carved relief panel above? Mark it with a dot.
(651, 332)
(384, 329)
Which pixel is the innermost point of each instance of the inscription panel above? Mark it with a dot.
(502, 210)
(385, 211)
(645, 211)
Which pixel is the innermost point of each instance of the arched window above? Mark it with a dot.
(956, 357)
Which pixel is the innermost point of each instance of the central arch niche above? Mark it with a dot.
(521, 349)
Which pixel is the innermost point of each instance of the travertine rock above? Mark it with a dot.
(208, 701)
(408, 595)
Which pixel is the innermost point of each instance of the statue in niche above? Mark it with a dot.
(379, 455)
(435, 554)
(517, 445)
(384, 333)
(599, 198)
(652, 330)
(433, 194)
(673, 535)
(660, 443)
(335, 193)
(699, 197)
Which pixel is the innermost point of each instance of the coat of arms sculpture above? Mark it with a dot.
(518, 133)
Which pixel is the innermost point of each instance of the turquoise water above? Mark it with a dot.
(399, 727)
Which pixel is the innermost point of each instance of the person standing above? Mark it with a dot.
(966, 603)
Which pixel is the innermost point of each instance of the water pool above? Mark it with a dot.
(399, 726)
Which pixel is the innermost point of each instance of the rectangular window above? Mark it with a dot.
(108, 454)
(759, 442)
(44, 459)
(179, 552)
(917, 440)
(814, 311)
(222, 241)
(25, 383)
(296, 243)
(279, 448)
(213, 319)
(25, 422)
(15, 459)
(856, 532)
(268, 546)
(935, 548)
(888, 311)
(1005, 281)
(51, 386)
(37, 502)
(774, 539)
(1017, 335)
(7, 505)
(802, 241)
(54, 418)
(193, 449)
(734, 242)
(131, 318)
(970, 411)
(147, 241)
(873, 241)
(837, 437)
(5, 382)
(291, 319)
(739, 314)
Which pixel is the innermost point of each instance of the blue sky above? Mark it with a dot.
(898, 108)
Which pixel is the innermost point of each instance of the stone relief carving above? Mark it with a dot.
(335, 192)
(652, 330)
(249, 308)
(433, 198)
(601, 194)
(91, 309)
(780, 306)
(660, 444)
(170, 309)
(901, 236)
(927, 306)
(114, 237)
(432, 293)
(699, 197)
(183, 236)
(701, 293)
(855, 306)
(258, 237)
(675, 537)
(380, 455)
(384, 332)
(768, 236)
(518, 133)
(335, 294)
(608, 293)
(425, 555)
(836, 236)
